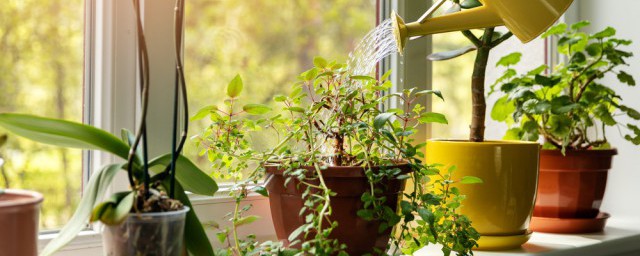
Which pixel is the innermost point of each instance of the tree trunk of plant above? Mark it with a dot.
(478, 102)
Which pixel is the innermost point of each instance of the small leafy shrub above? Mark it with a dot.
(569, 108)
(333, 118)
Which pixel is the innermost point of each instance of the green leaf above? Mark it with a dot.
(98, 184)
(247, 220)
(626, 78)
(256, 109)
(555, 30)
(547, 81)
(319, 62)
(362, 78)
(502, 109)
(63, 133)
(562, 105)
(594, 49)
(559, 125)
(426, 215)
(3, 139)
(537, 70)
(602, 112)
(580, 24)
(188, 174)
(204, 112)
(607, 32)
(114, 210)
(298, 231)
(222, 236)
(432, 117)
(381, 119)
(235, 86)
(510, 59)
(261, 190)
(470, 180)
(279, 98)
(468, 4)
(439, 56)
(630, 112)
(427, 92)
(195, 238)
(513, 134)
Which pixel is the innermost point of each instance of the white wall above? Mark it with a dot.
(623, 186)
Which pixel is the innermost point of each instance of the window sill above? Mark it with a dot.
(620, 237)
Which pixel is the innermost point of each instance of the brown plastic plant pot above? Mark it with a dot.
(19, 214)
(360, 236)
(572, 186)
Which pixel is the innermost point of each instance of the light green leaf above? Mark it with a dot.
(470, 180)
(427, 92)
(607, 32)
(630, 112)
(510, 59)
(381, 119)
(195, 238)
(204, 112)
(98, 184)
(513, 134)
(235, 86)
(188, 174)
(319, 62)
(502, 109)
(63, 133)
(580, 24)
(256, 109)
(555, 30)
(247, 220)
(432, 117)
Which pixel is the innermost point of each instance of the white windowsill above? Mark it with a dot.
(620, 237)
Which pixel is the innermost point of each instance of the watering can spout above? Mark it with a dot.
(526, 19)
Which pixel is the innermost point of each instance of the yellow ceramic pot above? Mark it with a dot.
(501, 207)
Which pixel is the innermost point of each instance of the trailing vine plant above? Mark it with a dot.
(333, 118)
(569, 106)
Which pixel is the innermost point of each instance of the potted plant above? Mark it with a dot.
(501, 208)
(336, 176)
(19, 214)
(137, 221)
(570, 109)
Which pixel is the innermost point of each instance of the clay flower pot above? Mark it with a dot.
(360, 236)
(572, 186)
(19, 214)
(500, 208)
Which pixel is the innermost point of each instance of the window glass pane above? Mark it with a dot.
(453, 78)
(41, 63)
(268, 43)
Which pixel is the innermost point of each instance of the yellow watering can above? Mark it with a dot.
(526, 19)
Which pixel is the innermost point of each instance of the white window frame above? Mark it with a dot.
(110, 96)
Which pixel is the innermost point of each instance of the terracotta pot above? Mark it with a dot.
(19, 214)
(349, 183)
(500, 208)
(572, 186)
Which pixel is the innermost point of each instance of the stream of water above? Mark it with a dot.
(375, 46)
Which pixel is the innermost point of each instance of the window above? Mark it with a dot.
(268, 43)
(42, 74)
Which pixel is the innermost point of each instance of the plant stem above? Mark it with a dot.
(478, 102)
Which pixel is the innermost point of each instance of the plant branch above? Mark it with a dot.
(468, 34)
(503, 38)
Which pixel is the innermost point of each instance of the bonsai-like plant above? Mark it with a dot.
(483, 45)
(162, 192)
(568, 107)
(333, 118)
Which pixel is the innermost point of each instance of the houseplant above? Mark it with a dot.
(501, 209)
(19, 214)
(137, 220)
(570, 109)
(336, 175)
